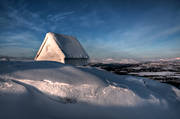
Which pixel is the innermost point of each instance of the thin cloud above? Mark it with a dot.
(23, 39)
(24, 44)
(60, 16)
(20, 19)
(91, 19)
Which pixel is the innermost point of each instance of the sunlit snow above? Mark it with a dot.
(54, 90)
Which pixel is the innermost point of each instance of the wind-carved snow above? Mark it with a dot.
(30, 87)
(177, 92)
(109, 95)
(8, 86)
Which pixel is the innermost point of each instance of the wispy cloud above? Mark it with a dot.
(23, 38)
(91, 19)
(18, 44)
(139, 41)
(25, 18)
(20, 16)
(104, 29)
(166, 32)
(59, 16)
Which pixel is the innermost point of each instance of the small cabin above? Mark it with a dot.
(62, 48)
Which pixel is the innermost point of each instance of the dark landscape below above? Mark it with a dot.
(163, 71)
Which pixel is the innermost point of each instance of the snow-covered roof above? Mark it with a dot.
(70, 46)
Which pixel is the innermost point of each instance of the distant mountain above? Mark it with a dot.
(121, 61)
(171, 59)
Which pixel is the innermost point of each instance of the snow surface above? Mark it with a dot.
(163, 73)
(52, 90)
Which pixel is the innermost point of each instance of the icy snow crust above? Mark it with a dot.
(54, 90)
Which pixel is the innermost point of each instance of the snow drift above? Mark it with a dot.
(54, 90)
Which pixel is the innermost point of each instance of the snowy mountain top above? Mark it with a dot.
(171, 59)
(54, 90)
(111, 60)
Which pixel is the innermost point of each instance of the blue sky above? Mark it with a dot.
(118, 29)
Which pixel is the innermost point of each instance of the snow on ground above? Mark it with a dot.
(163, 73)
(51, 90)
(178, 76)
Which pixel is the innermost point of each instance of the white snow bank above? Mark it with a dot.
(53, 90)
(109, 95)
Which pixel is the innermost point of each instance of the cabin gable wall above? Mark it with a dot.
(51, 52)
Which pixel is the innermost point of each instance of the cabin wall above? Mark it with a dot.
(51, 52)
(76, 61)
